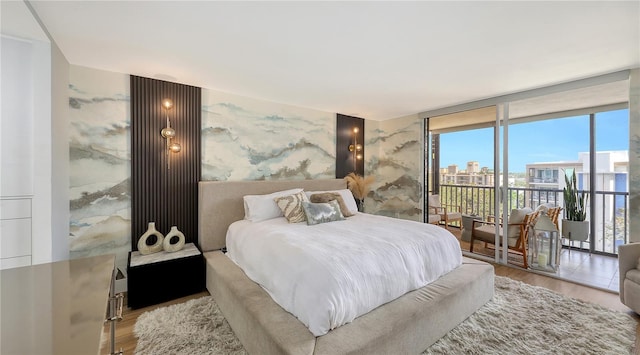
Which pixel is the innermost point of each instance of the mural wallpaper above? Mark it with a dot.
(243, 139)
(100, 164)
(396, 162)
(249, 139)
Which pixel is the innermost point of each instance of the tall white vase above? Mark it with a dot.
(168, 246)
(145, 249)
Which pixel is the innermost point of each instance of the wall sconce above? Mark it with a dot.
(355, 148)
(169, 133)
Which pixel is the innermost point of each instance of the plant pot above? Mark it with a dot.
(575, 230)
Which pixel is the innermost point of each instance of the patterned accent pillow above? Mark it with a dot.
(322, 212)
(328, 196)
(291, 206)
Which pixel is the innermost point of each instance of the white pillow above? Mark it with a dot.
(517, 216)
(346, 194)
(545, 207)
(262, 207)
(434, 201)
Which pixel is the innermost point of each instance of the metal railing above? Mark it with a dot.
(543, 180)
(611, 219)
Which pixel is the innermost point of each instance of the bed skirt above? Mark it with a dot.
(409, 324)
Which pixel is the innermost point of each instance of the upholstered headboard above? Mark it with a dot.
(220, 203)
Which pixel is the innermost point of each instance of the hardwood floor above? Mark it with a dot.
(599, 271)
(127, 341)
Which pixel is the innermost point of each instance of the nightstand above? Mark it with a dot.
(161, 277)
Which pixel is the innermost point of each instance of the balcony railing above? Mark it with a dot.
(611, 219)
(537, 180)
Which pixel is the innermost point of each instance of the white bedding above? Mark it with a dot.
(328, 274)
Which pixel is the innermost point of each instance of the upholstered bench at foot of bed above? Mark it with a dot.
(258, 321)
(406, 325)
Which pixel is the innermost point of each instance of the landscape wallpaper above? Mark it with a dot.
(100, 165)
(249, 139)
(394, 157)
(242, 139)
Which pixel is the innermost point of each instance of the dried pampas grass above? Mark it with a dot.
(359, 185)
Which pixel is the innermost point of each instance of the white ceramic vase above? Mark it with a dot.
(171, 247)
(143, 247)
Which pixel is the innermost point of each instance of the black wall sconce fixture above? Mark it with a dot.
(169, 133)
(355, 148)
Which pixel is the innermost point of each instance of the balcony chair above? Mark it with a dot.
(434, 218)
(447, 213)
(629, 273)
(519, 223)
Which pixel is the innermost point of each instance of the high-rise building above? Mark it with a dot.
(473, 175)
(473, 167)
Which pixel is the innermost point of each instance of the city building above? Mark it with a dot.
(612, 168)
(473, 175)
(546, 181)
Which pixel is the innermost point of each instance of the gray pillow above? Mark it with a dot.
(328, 196)
(322, 212)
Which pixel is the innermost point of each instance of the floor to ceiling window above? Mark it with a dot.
(584, 130)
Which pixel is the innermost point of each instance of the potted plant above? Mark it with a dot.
(574, 225)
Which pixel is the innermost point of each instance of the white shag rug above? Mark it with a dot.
(521, 319)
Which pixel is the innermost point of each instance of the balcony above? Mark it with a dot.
(611, 218)
(579, 266)
(597, 269)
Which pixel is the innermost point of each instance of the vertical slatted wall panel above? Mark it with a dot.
(344, 137)
(168, 197)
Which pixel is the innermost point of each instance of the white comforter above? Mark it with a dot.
(328, 274)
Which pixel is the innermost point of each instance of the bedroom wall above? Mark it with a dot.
(99, 165)
(243, 139)
(394, 157)
(250, 139)
(60, 154)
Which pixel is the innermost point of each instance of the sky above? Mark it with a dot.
(535, 142)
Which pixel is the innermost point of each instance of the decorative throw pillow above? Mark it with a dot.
(329, 196)
(322, 212)
(347, 196)
(542, 208)
(434, 201)
(545, 207)
(291, 206)
(516, 216)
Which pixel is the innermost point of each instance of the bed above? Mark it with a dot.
(407, 324)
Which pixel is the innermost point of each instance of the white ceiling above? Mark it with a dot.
(377, 60)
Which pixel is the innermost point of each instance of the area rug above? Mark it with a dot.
(521, 319)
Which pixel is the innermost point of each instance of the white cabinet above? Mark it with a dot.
(17, 113)
(18, 135)
(15, 232)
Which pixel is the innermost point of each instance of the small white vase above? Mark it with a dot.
(168, 246)
(143, 247)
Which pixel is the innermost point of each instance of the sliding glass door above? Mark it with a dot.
(489, 161)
